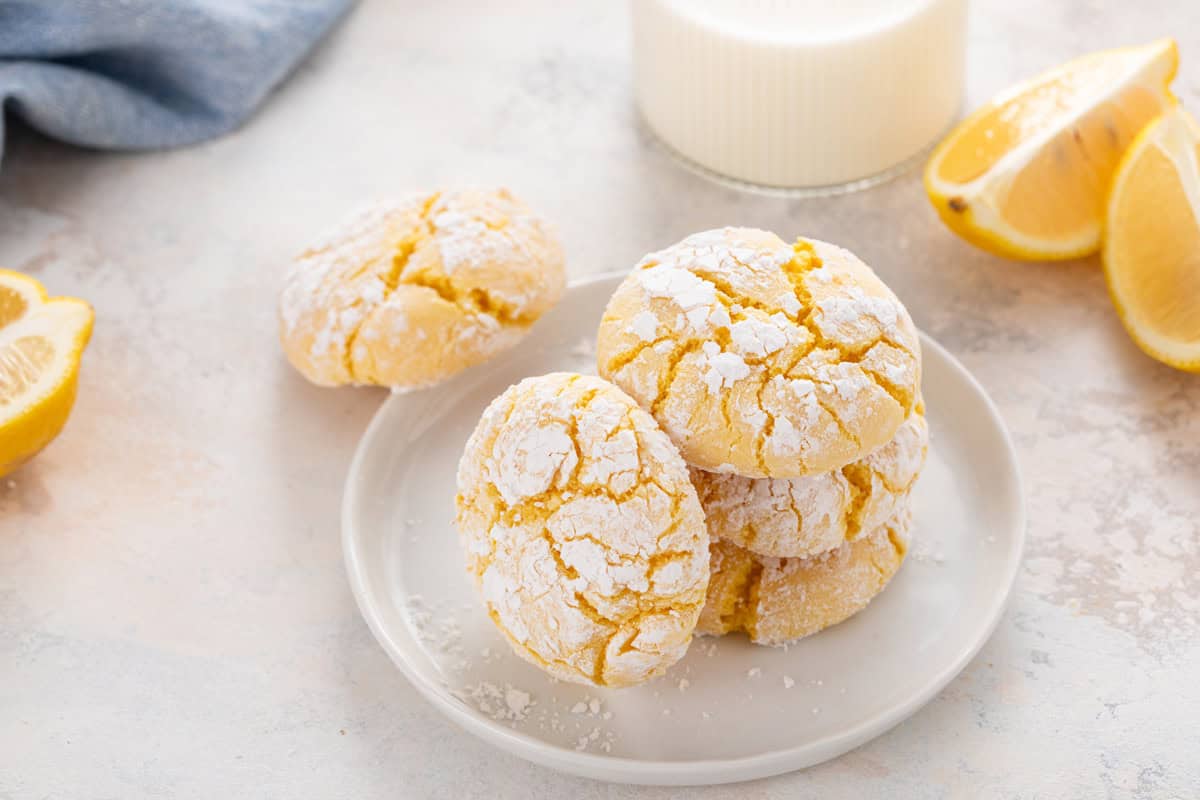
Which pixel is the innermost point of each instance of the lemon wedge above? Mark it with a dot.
(1152, 240)
(41, 342)
(1026, 176)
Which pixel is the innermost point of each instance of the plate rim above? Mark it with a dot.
(622, 769)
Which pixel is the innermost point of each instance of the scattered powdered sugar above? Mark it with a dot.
(822, 275)
(851, 385)
(785, 437)
(644, 325)
(592, 737)
(927, 552)
(856, 307)
(589, 705)
(529, 460)
(438, 628)
(755, 337)
(899, 374)
(722, 369)
(461, 239)
(499, 702)
(788, 682)
(518, 702)
(685, 289)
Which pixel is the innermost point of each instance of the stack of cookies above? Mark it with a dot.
(788, 377)
(746, 465)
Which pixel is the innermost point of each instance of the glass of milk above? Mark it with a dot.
(804, 96)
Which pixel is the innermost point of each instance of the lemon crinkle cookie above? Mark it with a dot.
(406, 294)
(761, 358)
(583, 531)
(802, 517)
(778, 600)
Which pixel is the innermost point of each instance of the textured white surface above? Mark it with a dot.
(174, 617)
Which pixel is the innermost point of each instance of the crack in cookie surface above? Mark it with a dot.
(802, 517)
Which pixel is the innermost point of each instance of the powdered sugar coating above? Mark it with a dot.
(583, 530)
(409, 292)
(779, 360)
(779, 600)
(802, 517)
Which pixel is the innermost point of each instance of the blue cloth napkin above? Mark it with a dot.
(139, 74)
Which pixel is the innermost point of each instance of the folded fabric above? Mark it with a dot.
(139, 74)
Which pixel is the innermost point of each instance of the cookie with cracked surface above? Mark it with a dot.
(408, 293)
(761, 358)
(802, 517)
(582, 531)
(775, 601)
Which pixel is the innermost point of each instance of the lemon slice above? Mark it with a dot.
(41, 341)
(1026, 175)
(1152, 242)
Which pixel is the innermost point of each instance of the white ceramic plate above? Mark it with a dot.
(730, 710)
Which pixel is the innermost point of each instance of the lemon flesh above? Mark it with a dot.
(41, 342)
(1152, 245)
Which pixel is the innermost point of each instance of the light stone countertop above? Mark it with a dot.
(174, 616)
